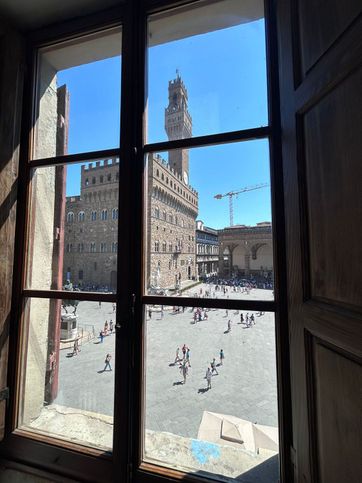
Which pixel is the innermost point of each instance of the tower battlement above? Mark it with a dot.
(100, 165)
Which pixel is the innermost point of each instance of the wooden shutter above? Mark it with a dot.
(11, 86)
(320, 57)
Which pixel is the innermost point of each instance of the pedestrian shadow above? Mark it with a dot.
(178, 383)
(226, 331)
(70, 354)
(100, 372)
(172, 364)
(202, 390)
(218, 365)
(99, 342)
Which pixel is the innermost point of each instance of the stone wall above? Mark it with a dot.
(171, 225)
(42, 231)
(99, 192)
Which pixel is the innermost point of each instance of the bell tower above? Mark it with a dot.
(178, 125)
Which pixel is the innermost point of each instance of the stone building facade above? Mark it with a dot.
(90, 258)
(246, 250)
(172, 202)
(207, 250)
(91, 227)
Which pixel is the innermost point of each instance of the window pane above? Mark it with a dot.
(68, 386)
(212, 59)
(78, 95)
(211, 393)
(73, 227)
(209, 230)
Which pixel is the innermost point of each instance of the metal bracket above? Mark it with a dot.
(4, 394)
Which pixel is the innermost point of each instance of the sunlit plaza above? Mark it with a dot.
(244, 386)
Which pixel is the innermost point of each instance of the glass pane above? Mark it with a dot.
(206, 70)
(68, 382)
(73, 227)
(209, 230)
(78, 95)
(211, 392)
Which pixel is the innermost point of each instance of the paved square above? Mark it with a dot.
(245, 386)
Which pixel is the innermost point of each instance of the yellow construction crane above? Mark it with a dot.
(235, 193)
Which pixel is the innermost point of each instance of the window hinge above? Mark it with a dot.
(4, 394)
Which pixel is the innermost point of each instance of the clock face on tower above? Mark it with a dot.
(186, 178)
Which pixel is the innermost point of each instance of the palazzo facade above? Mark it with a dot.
(91, 225)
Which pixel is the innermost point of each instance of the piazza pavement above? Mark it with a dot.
(245, 386)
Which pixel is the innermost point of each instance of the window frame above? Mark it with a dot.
(126, 458)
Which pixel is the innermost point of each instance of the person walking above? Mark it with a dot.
(188, 357)
(101, 336)
(213, 367)
(184, 371)
(222, 357)
(208, 378)
(229, 325)
(107, 362)
(177, 358)
(184, 351)
(76, 349)
(111, 326)
(241, 318)
(105, 328)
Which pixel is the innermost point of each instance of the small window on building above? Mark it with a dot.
(93, 180)
(101, 179)
(94, 216)
(80, 275)
(93, 247)
(115, 214)
(109, 177)
(157, 246)
(86, 182)
(104, 215)
(70, 217)
(81, 216)
(103, 247)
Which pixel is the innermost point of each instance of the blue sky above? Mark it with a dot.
(225, 75)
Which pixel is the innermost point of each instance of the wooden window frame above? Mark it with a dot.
(64, 458)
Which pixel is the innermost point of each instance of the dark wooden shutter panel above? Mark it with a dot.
(12, 55)
(320, 58)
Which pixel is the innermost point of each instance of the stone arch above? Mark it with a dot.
(239, 253)
(262, 256)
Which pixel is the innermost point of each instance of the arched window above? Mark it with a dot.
(164, 215)
(81, 216)
(93, 215)
(114, 247)
(157, 212)
(93, 247)
(80, 247)
(70, 217)
(104, 215)
(103, 247)
(164, 246)
(170, 218)
(86, 182)
(115, 214)
(157, 246)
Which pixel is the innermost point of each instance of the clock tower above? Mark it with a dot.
(178, 125)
